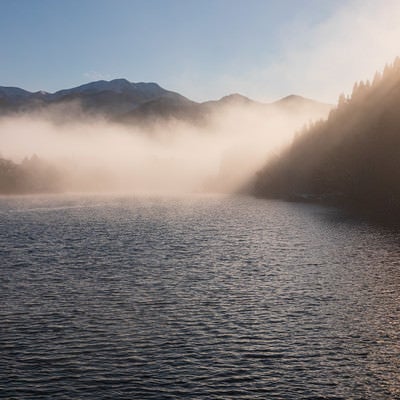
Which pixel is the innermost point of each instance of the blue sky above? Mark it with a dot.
(202, 48)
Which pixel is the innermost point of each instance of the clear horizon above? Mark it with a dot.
(264, 50)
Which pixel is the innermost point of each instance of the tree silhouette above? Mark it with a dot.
(351, 159)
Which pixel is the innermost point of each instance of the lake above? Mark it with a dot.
(195, 297)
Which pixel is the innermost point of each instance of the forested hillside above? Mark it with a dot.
(32, 175)
(352, 158)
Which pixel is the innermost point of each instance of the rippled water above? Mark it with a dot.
(195, 298)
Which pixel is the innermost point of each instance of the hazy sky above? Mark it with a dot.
(204, 49)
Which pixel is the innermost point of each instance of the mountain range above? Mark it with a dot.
(131, 103)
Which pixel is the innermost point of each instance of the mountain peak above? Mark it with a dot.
(116, 85)
(235, 98)
(143, 90)
(291, 98)
(294, 100)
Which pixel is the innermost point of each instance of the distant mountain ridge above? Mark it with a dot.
(115, 85)
(106, 97)
(127, 102)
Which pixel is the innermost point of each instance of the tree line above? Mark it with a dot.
(32, 175)
(352, 158)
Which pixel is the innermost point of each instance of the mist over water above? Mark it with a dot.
(93, 154)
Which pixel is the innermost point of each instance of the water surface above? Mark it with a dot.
(195, 298)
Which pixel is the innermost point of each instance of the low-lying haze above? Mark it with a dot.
(92, 154)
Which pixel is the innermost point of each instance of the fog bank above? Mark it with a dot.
(91, 154)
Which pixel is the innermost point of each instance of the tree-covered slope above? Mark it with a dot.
(352, 158)
(32, 175)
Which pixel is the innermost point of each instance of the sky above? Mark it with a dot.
(203, 49)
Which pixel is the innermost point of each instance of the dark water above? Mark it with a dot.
(195, 298)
